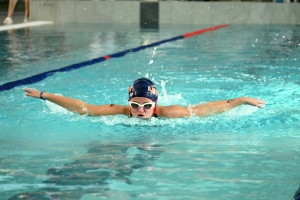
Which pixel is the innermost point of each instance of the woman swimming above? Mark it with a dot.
(142, 102)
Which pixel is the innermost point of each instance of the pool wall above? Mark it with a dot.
(170, 12)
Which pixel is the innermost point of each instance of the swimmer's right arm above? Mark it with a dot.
(79, 106)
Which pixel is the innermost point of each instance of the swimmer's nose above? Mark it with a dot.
(141, 108)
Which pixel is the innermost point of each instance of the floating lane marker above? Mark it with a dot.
(42, 76)
(24, 25)
(106, 57)
(213, 28)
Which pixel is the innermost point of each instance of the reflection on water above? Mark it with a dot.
(90, 173)
(40, 49)
(21, 45)
(21, 48)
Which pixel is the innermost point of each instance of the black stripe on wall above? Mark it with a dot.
(149, 14)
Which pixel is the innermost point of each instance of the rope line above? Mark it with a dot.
(39, 77)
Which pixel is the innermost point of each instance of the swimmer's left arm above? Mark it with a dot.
(206, 109)
(218, 107)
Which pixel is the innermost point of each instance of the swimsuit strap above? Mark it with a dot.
(154, 112)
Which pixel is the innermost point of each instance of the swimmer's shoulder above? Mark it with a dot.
(172, 111)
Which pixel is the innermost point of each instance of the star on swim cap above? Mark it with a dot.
(143, 87)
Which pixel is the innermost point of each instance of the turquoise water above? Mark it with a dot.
(247, 153)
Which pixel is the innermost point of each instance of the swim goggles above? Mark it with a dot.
(137, 106)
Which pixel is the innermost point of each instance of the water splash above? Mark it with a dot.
(153, 54)
(56, 109)
(150, 62)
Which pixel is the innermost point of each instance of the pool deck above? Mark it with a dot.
(18, 18)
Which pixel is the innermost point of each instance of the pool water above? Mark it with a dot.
(47, 152)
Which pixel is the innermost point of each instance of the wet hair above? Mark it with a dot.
(143, 87)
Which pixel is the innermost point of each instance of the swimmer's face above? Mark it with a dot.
(141, 107)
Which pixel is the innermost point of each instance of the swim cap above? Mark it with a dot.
(143, 87)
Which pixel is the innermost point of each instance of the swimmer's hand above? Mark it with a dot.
(32, 93)
(253, 102)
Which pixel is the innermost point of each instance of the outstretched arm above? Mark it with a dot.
(79, 106)
(218, 107)
(207, 109)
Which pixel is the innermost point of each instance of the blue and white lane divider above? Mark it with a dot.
(39, 77)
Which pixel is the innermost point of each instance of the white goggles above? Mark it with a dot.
(137, 106)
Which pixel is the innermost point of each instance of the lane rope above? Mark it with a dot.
(39, 77)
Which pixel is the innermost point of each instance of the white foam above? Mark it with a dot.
(24, 25)
(243, 110)
(56, 109)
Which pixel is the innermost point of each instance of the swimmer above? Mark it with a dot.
(142, 103)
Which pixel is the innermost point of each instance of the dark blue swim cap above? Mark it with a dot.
(143, 87)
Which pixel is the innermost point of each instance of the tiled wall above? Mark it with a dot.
(170, 12)
(85, 11)
(229, 12)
